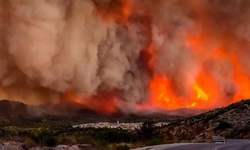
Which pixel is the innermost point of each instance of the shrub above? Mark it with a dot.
(44, 136)
(123, 147)
(155, 141)
(2, 132)
(147, 130)
(67, 140)
(101, 145)
(223, 125)
(113, 136)
(51, 141)
(137, 144)
(85, 139)
(209, 117)
(29, 143)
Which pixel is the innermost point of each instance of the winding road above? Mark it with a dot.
(231, 145)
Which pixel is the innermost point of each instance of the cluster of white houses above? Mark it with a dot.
(118, 125)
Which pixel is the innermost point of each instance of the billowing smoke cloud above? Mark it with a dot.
(88, 47)
(62, 45)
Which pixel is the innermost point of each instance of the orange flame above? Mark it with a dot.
(200, 93)
(241, 79)
(162, 96)
(103, 103)
(193, 105)
(120, 14)
(204, 92)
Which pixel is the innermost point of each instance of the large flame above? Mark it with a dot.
(125, 56)
(205, 91)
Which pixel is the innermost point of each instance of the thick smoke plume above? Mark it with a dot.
(139, 53)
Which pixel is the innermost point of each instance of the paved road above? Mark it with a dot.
(231, 145)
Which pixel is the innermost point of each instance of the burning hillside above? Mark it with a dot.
(125, 55)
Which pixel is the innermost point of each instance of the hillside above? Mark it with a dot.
(8, 108)
(13, 111)
(20, 114)
(232, 122)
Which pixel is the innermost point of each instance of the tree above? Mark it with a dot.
(223, 125)
(147, 130)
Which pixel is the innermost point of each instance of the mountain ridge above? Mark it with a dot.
(18, 113)
(232, 121)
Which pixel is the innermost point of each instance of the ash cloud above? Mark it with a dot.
(48, 48)
(51, 47)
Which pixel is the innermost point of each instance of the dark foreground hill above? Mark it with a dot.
(232, 122)
(12, 109)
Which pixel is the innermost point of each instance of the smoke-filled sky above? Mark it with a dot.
(165, 54)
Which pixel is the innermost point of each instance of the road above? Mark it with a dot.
(231, 145)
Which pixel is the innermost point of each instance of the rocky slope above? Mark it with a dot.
(20, 146)
(232, 122)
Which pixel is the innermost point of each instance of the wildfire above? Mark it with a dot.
(208, 90)
(241, 79)
(103, 103)
(193, 105)
(200, 93)
(162, 95)
(120, 14)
